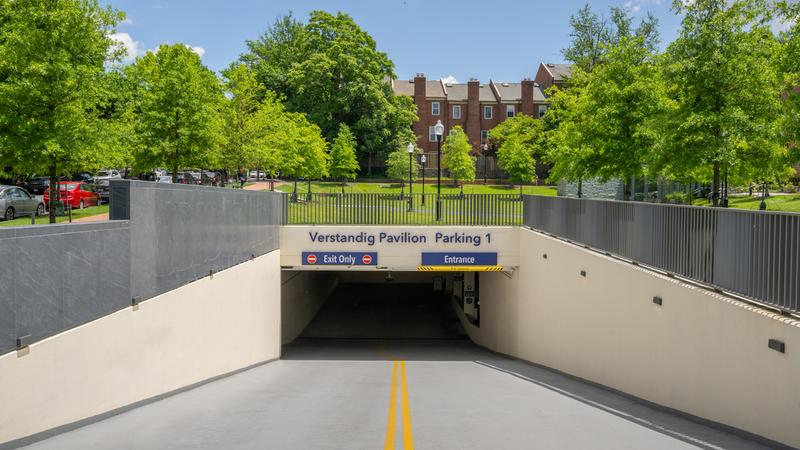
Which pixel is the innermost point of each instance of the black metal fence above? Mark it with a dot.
(751, 253)
(398, 209)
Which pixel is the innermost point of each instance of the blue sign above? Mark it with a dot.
(459, 259)
(340, 258)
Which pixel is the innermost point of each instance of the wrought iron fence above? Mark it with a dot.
(403, 209)
(752, 253)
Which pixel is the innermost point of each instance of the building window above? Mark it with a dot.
(487, 112)
(456, 111)
(484, 136)
(510, 111)
(431, 134)
(435, 108)
(542, 110)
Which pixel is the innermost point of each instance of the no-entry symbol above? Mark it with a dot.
(325, 258)
(311, 259)
(366, 259)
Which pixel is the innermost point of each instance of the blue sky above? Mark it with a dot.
(499, 39)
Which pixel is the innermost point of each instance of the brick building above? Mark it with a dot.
(477, 107)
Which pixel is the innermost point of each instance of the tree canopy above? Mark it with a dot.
(592, 35)
(179, 118)
(51, 89)
(726, 92)
(343, 155)
(330, 69)
(456, 156)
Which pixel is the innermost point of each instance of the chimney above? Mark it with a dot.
(420, 93)
(527, 97)
(474, 113)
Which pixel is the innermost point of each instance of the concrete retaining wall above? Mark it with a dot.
(699, 353)
(202, 330)
(302, 295)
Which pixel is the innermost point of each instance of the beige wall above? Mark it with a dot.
(208, 328)
(295, 240)
(700, 353)
(302, 295)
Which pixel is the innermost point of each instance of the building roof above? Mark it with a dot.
(560, 72)
(433, 88)
(457, 92)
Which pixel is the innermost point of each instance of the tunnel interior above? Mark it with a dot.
(411, 314)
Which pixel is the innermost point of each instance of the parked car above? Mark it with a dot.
(84, 177)
(257, 174)
(208, 177)
(37, 185)
(107, 174)
(164, 179)
(77, 195)
(16, 202)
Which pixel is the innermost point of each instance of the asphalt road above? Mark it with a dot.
(431, 390)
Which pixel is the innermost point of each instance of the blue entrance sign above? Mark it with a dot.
(459, 259)
(340, 258)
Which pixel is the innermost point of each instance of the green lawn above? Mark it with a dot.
(390, 188)
(787, 203)
(76, 214)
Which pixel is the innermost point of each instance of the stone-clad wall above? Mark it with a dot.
(161, 237)
(56, 277)
(181, 232)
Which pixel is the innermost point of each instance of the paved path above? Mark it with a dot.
(343, 392)
(95, 218)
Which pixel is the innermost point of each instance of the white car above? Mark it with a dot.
(164, 179)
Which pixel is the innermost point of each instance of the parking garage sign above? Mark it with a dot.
(459, 259)
(340, 258)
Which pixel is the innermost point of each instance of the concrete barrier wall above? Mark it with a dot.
(302, 295)
(205, 329)
(699, 353)
(56, 277)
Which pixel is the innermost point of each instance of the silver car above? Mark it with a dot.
(17, 202)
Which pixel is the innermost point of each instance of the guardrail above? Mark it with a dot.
(754, 254)
(398, 209)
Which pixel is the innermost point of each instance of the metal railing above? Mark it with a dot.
(397, 209)
(754, 254)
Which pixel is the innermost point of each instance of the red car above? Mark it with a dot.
(77, 194)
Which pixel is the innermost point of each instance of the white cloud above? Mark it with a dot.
(133, 48)
(635, 6)
(449, 79)
(197, 49)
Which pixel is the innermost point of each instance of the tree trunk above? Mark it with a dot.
(715, 186)
(580, 188)
(53, 194)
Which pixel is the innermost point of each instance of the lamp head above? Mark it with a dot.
(438, 129)
(410, 147)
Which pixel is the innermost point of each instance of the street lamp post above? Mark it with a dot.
(485, 166)
(438, 129)
(410, 178)
(422, 159)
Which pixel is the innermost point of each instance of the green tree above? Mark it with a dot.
(516, 158)
(592, 34)
(726, 91)
(179, 117)
(244, 127)
(335, 74)
(456, 157)
(343, 156)
(565, 142)
(612, 112)
(789, 64)
(397, 165)
(53, 58)
(303, 149)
